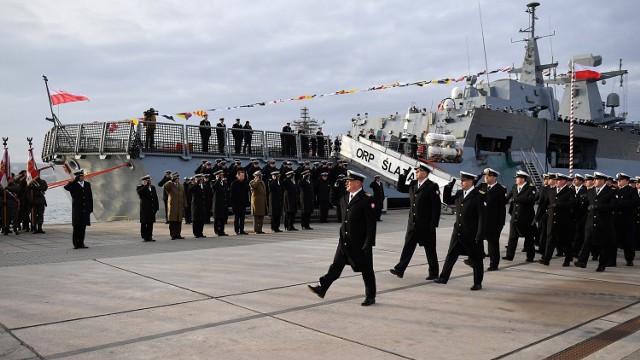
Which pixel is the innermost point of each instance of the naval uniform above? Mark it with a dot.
(562, 202)
(521, 225)
(496, 210)
(148, 207)
(599, 228)
(81, 209)
(626, 202)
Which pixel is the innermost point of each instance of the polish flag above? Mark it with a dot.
(32, 169)
(583, 72)
(5, 168)
(62, 97)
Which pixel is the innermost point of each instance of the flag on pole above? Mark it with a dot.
(583, 72)
(32, 168)
(5, 168)
(61, 97)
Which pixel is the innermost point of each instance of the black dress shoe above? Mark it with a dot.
(431, 277)
(629, 263)
(543, 262)
(566, 264)
(260, 232)
(318, 290)
(440, 280)
(368, 301)
(180, 237)
(396, 273)
(600, 269)
(492, 268)
(223, 234)
(529, 260)
(277, 230)
(579, 264)
(84, 247)
(308, 228)
(468, 262)
(293, 229)
(507, 258)
(244, 233)
(476, 287)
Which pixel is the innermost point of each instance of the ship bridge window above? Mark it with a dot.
(584, 152)
(484, 143)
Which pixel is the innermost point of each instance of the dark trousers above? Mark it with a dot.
(409, 248)
(205, 143)
(559, 236)
(452, 257)
(275, 222)
(221, 144)
(608, 249)
(493, 246)
(198, 228)
(324, 212)
(238, 222)
(78, 236)
(146, 231)
(379, 204)
(542, 234)
(175, 228)
(38, 215)
(237, 144)
(339, 213)
(148, 140)
(246, 148)
(514, 235)
(305, 219)
(289, 219)
(335, 270)
(187, 214)
(218, 225)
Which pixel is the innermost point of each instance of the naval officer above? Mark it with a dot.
(496, 210)
(81, 207)
(357, 238)
(522, 197)
(149, 206)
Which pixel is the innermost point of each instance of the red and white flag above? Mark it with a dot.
(5, 168)
(32, 169)
(583, 72)
(61, 97)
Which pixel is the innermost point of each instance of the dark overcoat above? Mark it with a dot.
(289, 196)
(81, 203)
(239, 196)
(306, 196)
(199, 199)
(496, 206)
(424, 212)
(599, 228)
(521, 208)
(220, 199)
(275, 198)
(471, 220)
(148, 203)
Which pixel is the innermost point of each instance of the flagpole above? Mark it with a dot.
(33, 218)
(573, 80)
(54, 118)
(4, 191)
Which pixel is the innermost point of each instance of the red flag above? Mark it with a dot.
(5, 168)
(32, 169)
(62, 97)
(586, 72)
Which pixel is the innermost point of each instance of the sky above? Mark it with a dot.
(182, 56)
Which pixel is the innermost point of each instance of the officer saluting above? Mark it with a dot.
(148, 207)
(357, 238)
(523, 197)
(81, 207)
(468, 230)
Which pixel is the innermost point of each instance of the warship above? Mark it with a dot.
(508, 124)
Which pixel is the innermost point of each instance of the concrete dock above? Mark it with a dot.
(245, 297)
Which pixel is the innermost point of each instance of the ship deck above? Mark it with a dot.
(245, 297)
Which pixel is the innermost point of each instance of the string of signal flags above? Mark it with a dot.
(61, 97)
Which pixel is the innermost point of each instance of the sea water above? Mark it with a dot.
(58, 210)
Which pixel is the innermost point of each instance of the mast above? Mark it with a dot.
(531, 71)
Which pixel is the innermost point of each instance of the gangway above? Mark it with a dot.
(389, 164)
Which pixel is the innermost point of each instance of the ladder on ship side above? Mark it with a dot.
(532, 166)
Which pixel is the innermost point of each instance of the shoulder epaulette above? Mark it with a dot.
(481, 192)
(532, 185)
(504, 187)
(366, 193)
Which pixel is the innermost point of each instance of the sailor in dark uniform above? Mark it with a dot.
(581, 211)
(522, 197)
(424, 217)
(239, 195)
(275, 200)
(469, 228)
(637, 217)
(81, 207)
(148, 207)
(306, 200)
(289, 201)
(626, 204)
(220, 203)
(221, 130)
(496, 210)
(322, 190)
(357, 238)
(599, 229)
(378, 195)
(561, 205)
(199, 210)
(542, 215)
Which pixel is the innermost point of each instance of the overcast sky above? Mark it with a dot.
(178, 56)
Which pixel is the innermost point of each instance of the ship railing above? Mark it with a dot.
(186, 141)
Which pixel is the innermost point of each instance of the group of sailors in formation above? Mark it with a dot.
(216, 188)
(23, 204)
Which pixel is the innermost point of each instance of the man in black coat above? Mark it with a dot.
(424, 217)
(238, 135)
(289, 201)
(199, 209)
(205, 133)
(221, 129)
(357, 238)
(148, 207)
(496, 213)
(322, 190)
(220, 203)
(378, 195)
(522, 198)
(626, 202)
(542, 216)
(580, 216)
(239, 195)
(275, 200)
(81, 207)
(320, 140)
(306, 200)
(186, 184)
(468, 230)
(599, 229)
(561, 204)
(248, 137)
